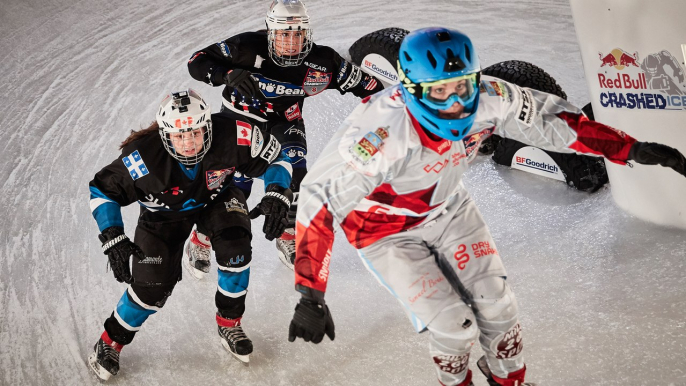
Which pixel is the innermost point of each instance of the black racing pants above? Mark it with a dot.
(162, 239)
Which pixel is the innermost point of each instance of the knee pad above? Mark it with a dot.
(233, 251)
(496, 307)
(135, 306)
(454, 328)
(232, 247)
(493, 300)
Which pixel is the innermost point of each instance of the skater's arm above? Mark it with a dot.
(551, 123)
(211, 64)
(113, 187)
(348, 77)
(547, 122)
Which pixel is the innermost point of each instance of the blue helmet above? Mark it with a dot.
(438, 67)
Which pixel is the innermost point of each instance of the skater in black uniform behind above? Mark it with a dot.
(180, 170)
(266, 77)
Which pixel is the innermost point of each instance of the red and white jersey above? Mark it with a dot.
(381, 173)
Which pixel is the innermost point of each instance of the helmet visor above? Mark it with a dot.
(444, 93)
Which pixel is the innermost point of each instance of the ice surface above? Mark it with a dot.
(601, 293)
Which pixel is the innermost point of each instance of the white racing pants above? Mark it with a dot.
(450, 280)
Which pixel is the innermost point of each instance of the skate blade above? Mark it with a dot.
(197, 275)
(285, 261)
(99, 371)
(244, 359)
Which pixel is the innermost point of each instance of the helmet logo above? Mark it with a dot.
(185, 122)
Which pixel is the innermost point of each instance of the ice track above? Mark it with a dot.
(601, 293)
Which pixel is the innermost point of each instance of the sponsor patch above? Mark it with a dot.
(353, 78)
(271, 151)
(527, 110)
(316, 81)
(215, 178)
(494, 89)
(274, 89)
(452, 364)
(473, 142)
(315, 66)
(370, 144)
(257, 143)
(342, 71)
(511, 344)
(151, 260)
(135, 165)
(233, 205)
(295, 153)
(243, 133)
(424, 287)
(437, 167)
(369, 83)
(294, 130)
(293, 113)
(224, 49)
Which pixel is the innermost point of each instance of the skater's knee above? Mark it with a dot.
(232, 248)
(493, 299)
(150, 297)
(455, 327)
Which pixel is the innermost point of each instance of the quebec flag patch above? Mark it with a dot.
(134, 163)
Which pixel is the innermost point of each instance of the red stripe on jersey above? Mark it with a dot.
(596, 138)
(418, 201)
(365, 228)
(313, 250)
(438, 145)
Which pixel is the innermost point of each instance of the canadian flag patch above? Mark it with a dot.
(243, 133)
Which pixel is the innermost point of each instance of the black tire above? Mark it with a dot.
(384, 42)
(585, 173)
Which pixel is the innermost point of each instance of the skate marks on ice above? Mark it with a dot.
(596, 287)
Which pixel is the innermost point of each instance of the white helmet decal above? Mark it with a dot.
(185, 112)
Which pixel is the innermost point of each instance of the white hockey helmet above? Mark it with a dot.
(289, 15)
(183, 117)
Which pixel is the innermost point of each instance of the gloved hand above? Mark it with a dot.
(311, 320)
(244, 82)
(274, 206)
(650, 153)
(118, 249)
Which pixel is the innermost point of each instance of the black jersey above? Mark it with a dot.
(284, 88)
(147, 173)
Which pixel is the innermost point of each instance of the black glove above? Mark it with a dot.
(649, 153)
(118, 249)
(311, 320)
(243, 82)
(274, 206)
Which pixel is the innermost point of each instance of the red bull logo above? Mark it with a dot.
(619, 59)
(630, 81)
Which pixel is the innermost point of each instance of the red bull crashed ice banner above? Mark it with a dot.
(654, 82)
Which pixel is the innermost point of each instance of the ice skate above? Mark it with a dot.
(483, 366)
(196, 255)
(104, 361)
(234, 339)
(285, 247)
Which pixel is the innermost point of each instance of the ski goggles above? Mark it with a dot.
(442, 94)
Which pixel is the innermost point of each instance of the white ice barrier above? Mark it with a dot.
(633, 53)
